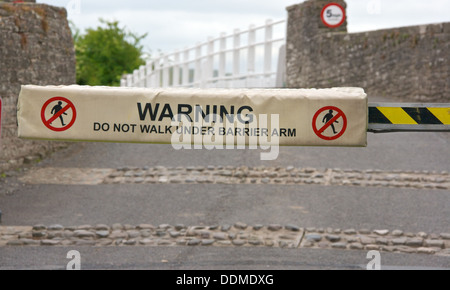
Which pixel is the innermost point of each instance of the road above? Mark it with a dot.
(395, 188)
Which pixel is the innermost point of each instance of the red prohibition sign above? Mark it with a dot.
(324, 11)
(339, 114)
(48, 122)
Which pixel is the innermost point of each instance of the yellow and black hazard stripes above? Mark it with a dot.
(409, 116)
(433, 117)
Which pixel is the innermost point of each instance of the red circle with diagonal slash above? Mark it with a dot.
(322, 15)
(319, 131)
(56, 116)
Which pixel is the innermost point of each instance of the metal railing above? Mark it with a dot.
(243, 59)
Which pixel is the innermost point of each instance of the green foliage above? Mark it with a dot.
(104, 54)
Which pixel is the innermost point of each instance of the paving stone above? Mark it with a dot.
(84, 227)
(146, 242)
(194, 242)
(445, 236)
(414, 242)
(133, 234)
(118, 235)
(180, 227)
(207, 242)
(238, 242)
(333, 238)
(30, 242)
(397, 233)
(339, 245)
(83, 234)
(274, 227)
(356, 246)
(399, 241)
(102, 234)
(434, 243)
(240, 225)
(313, 237)
(307, 244)
(258, 227)
(55, 227)
(50, 242)
(424, 250)
(104, 242)
(39, 227)
(55, 234)
(350, 232)
(39, 234)
(161, 233)
(381, 232)
(220, 236)
(367, 240)
(81, 242)
(117, 227)
(256, 242)
(382, 241)
(131, 242)
(372, 247)
(323, 245)
(15, 243)
(292, 228)
(102, 227)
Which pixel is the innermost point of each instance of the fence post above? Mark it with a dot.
(251, 55)
(148, 74)
(236, 53)
(185, 77)
(268, 50)
(142, 76)
(165, 72)
(157, 78)
(176, 69)
(209, 75)
(222, 60)
(198, 65)
(135, 78)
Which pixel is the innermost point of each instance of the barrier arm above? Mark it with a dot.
(408, 117)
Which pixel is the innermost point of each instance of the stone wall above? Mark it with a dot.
(407, 63)
(36, 47)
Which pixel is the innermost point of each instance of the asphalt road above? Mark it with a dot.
(409, 209)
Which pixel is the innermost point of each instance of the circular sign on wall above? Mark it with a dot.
(333, 15)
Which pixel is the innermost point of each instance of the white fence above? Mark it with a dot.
(253, 58)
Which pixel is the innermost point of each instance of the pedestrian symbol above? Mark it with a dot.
(55, 111)
(61, 109)
(329, 123)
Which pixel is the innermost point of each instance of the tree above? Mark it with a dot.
(103, 55)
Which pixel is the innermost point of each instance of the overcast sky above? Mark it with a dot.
(177, 24)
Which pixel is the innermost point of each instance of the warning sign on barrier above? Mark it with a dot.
(58, 109)
(329, 118)
(197, 116)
